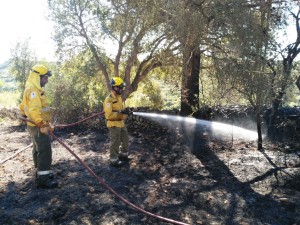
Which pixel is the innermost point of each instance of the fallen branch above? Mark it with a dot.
(13, 155)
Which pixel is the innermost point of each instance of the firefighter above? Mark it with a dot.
(115, 114)
(35, 107)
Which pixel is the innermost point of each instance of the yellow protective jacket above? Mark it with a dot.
(35, 104)
(112, 106)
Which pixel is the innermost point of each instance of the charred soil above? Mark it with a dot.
(216, 183)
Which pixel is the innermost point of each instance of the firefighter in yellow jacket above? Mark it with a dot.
(115, 114)
(35, 107)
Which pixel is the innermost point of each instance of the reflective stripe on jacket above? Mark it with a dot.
(35, 103)
(112, 104)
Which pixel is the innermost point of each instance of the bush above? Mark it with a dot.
(73, 99)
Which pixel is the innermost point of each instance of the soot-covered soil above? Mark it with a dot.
(224, 183)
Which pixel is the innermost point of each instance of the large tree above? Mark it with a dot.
(283, 74)
(198, 26)
(131, 26)
(280, 59)
(186, 23)
(256, 72)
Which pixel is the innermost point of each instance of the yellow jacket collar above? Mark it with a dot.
(114, 95)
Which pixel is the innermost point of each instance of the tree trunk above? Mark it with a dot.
(277, 101)
(259, 133)
(190, 81)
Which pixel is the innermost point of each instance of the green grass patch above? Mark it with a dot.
(9, 99)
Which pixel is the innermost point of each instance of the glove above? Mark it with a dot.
(126, 111)
(124, 116)
(42, 124)
(45, 128)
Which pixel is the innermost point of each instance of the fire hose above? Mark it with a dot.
(127, 202)
(80, 121)
(59, 126)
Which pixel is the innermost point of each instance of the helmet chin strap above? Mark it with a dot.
(117, 91)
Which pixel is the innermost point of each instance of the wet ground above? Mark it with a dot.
(222, 182)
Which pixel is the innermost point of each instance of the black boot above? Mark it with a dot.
(124, 158)
(43, 181)
(50, 176)
(117, 163)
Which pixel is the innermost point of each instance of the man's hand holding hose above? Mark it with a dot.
(126, 111)
(45, 127)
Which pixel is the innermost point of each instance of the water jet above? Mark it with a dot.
(191, 126)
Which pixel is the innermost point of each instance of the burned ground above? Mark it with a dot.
(222, 182)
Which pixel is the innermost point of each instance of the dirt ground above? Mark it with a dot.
(224, 183)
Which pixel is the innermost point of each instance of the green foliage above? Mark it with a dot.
(154, 36)
(22, 60)
(74, 92)
(292, 96)
(9, 99)
(7, 81)
(147, 95)
(170, 95)
(156, 94)
(139, 45)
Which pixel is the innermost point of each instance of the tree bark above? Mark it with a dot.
(190, 81)
(259, 133)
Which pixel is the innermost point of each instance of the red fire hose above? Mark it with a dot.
(59, 126)
(101, 181)
(80, 121)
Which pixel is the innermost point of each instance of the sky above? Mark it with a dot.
(24, 19)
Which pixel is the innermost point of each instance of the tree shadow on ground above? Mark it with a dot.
(163, 178)
(262, 209)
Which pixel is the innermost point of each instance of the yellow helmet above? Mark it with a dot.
(117, 82)
(41, 70)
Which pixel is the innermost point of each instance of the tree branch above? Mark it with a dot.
(298, 83)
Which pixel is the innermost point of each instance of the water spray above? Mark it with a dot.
(192, 125)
